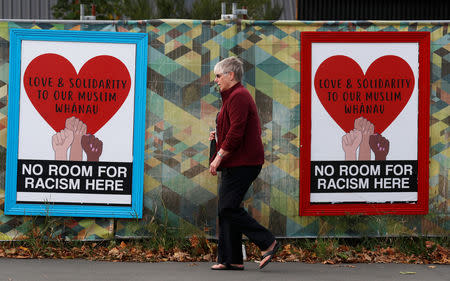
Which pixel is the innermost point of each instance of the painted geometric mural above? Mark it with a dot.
(181, 107)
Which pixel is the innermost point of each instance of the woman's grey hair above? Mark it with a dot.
(231, 64)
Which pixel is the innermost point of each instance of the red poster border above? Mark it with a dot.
(421, 207)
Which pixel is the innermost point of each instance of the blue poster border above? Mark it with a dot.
(104, 211)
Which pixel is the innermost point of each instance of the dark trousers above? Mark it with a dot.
(233, 219)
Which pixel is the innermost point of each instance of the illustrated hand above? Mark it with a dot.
(350, 143)
(79, 129)
(380, 146)
(76, 126)
(61, 142)
(92, 146)
(212, 135)
(366, 128)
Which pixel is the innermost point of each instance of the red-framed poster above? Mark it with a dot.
(364, 123)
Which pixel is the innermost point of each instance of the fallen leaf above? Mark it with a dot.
(180, 256)
(407, 272)
(23, 249)
(123, 245)
(10, 251)
(114, 251)
(290, 258)
(149, 254)
(431, 266)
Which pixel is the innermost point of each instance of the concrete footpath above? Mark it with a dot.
(83, 270)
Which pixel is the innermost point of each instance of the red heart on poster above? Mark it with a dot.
(93, 95)
(379, 95)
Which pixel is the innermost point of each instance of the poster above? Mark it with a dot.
(364, 123)
(76, 123)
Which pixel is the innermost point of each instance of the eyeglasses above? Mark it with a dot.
(220, 75)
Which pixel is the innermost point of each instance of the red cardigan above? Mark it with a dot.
(239, 129)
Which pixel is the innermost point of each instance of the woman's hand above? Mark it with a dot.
(214, 165)
(216, 162)
(212, 135)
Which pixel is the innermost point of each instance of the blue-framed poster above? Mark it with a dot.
(76, 123)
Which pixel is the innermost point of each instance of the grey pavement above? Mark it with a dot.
(84, 270)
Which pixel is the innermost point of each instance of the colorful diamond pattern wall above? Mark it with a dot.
(181, 107)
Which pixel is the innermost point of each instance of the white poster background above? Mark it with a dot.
(326, 135)
(35, 135)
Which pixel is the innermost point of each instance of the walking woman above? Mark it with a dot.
(240, 156)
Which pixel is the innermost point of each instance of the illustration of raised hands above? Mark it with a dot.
(379, 146)
(92, 146)
(79, 129)
(350, 143)
(61, 142)
(367, 129)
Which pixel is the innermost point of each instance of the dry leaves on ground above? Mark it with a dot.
(201, 249)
